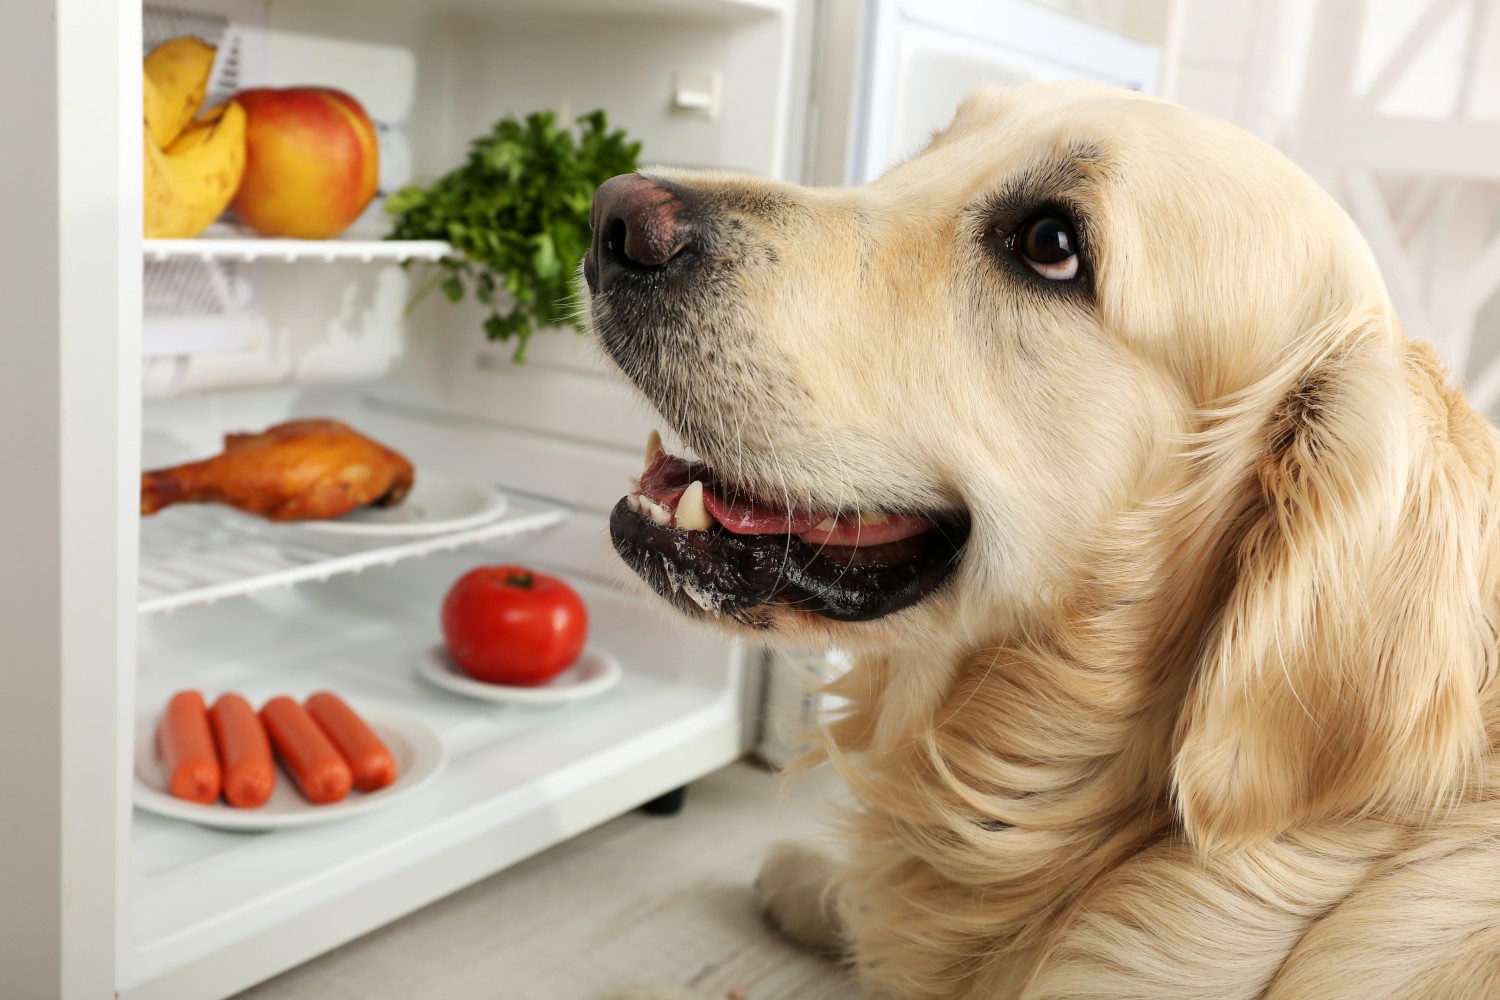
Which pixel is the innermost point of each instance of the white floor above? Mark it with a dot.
(640, 900)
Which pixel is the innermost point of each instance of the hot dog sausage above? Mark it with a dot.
(244, 752)
(370, 762)
(307, 755)
(187, 749)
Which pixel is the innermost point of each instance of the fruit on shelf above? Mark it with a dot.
(190, 183)
(192, 168)
(312, 162)
(177, 73)
(511, 625)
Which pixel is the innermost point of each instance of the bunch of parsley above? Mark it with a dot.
(517, 213)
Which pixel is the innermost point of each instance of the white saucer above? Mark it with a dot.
(595, 672)
(437, 503)
(419, 759)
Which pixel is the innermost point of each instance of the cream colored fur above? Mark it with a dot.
(1210, 709)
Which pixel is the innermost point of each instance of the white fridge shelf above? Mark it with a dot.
(198, 555)
(227, 243)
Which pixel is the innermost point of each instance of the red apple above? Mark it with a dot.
(311, 162)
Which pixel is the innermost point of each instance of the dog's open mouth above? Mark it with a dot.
(693, 535)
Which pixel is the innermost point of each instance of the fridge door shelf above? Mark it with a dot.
(199, 555)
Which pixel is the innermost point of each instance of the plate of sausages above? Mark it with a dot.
(290, 764)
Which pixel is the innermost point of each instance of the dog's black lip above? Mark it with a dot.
(742, 575)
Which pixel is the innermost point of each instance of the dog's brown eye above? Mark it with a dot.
(1049, 247)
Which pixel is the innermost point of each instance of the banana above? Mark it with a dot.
(159, 118)
(192, 167)
(199, 132)
(191, 182)
(177, 73)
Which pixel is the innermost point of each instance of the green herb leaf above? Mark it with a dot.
(544, 260)
(517, 213)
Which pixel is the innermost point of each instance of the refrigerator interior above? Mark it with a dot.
(326, 329)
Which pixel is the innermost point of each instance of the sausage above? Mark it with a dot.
(187, 749)
(370, 762)
(244, 752)
(307, 755)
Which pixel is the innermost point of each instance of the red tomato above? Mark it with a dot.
(508, 625)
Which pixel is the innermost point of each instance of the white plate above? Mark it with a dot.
(419, 759)
(595, 672)
(437, 503)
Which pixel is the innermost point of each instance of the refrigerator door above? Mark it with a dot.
(913, 61)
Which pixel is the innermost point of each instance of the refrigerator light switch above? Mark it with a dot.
(697, 93)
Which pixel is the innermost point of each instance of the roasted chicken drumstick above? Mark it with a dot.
(302, 470)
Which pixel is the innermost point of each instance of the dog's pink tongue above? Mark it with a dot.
(751, 517)
(867, 529)
(668, 477)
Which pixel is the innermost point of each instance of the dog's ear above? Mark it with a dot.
(1342, 675)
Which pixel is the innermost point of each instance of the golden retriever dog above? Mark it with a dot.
(1170, 562)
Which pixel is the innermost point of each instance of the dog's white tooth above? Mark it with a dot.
(634, 500)
(653, 447)
(691, 514)
(659, 514)
(871, 519)
(827, 524)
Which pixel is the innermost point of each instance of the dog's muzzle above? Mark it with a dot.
(665, 270)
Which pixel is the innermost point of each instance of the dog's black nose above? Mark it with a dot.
(638, 225)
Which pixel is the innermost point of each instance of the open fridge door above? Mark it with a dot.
(889, 72)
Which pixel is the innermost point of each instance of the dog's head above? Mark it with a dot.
(923, 397)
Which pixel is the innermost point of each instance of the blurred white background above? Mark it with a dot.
(1393, 104)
